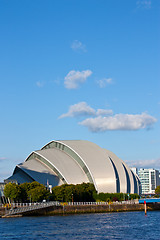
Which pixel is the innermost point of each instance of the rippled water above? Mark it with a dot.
(126, 226)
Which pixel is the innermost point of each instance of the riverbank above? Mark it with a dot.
(78, 209)
(2, 211)
(65, 209)
(102, 208)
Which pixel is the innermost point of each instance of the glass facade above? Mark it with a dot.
(148, 179)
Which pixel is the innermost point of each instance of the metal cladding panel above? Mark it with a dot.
(130, 177)
(77, 161)
(19, 177)
(69, 168)
(98, 163)
(120, 170)
(40, 172)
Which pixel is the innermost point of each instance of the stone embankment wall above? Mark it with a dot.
(69, 209)
(2, 211)
(77, 209)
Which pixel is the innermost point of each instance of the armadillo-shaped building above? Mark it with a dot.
(77, 161)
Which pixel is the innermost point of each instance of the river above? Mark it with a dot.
(123, 225)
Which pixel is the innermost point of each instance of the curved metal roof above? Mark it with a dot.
(98, 163)
(65, 164)
(77, 161)
(40, 172)
(120, 170)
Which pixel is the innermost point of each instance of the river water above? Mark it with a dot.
(123, 225)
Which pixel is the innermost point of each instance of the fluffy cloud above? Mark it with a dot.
(102, 120)
(104, 112)
(146, 4)
(74, 78)
(82, 109)
(104, 82)
(79, 109)
(119, 122)
(78, 46)
(152, 163)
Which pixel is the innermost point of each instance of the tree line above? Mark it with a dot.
(85, 192)
(26, 192)
(113, 197)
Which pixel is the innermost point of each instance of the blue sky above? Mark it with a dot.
(80, 69)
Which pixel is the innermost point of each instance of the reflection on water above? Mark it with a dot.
(126, 226)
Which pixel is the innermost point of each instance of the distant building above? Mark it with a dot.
(1, 192)
(149, 179)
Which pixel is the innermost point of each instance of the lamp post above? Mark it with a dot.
(30, 200)
(72, 198)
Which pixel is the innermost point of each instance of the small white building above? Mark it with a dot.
(149, 179)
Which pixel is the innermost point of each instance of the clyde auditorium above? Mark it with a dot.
(74, 162)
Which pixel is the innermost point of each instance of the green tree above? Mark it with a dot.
(157, 190)
(134, 196)
(35, 184)
(34, 192)
(59, 192)
(38, 193)
(25, 187)
(114, 197)
(26, 192)
(84, 192)
(13, 192)
(68, 192)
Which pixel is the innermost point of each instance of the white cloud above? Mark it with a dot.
(39, 84)
(78, 46)
(104, 82)
(102, 120)
(119, 122)
(82, 109)
(79, 109)
(74, 78)
(145, 4)
(104, 112)
(152, 163)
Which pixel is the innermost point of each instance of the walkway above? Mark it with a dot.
(29, 208)
(149, 200)
(20, 208)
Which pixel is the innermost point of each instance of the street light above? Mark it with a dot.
(72, 198)
(30, 200)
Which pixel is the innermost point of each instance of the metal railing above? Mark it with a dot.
(27, 207)
(19, 208)
(101, 203)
